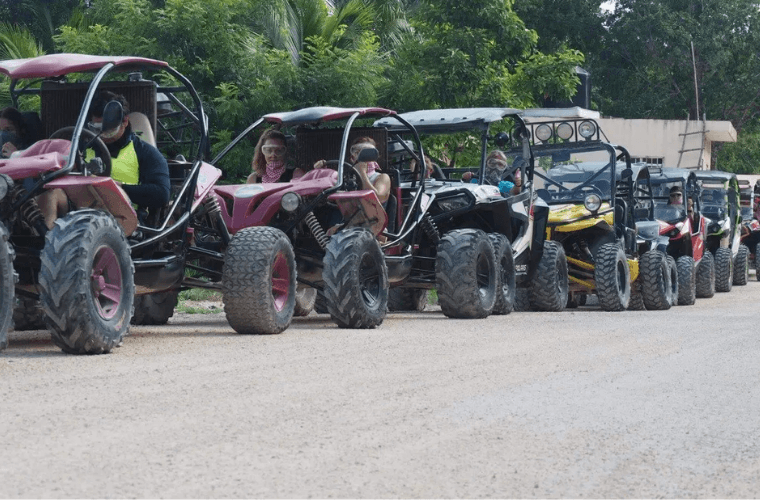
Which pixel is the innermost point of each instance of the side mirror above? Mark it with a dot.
(113, 115)
(368, 154)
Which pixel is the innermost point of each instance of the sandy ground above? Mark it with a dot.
(576, 404)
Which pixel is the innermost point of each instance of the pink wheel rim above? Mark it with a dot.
(105, 282)
(280, 281)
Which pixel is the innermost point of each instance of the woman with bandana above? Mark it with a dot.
(496, 163)
(13, 133)
(368, 171)
(269, 163)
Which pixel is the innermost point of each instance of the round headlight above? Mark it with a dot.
(592, 202)
(587, 129)
(564, 131)
(6, 184)
(290, 202)
(543, 132)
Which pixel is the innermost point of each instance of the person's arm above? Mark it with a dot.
(382, 185)
(153, 189)
(252, 178)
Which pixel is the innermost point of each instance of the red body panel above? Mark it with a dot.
(40, 157)
(98, 192)
(207, 177)
(260, 202)
(363, 208)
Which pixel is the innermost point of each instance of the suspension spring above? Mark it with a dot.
(316, 229)
(214, 211)
(431, 230)
(30, 211)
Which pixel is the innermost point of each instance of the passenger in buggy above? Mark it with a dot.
(496, 164)
(270, 162)
(14, 135)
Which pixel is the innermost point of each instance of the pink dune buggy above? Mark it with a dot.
(106, 259)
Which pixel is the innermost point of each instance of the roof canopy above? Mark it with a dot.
(449, 120)
(54, 65)
(315, 115)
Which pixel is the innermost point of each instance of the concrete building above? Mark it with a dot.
(670, 143)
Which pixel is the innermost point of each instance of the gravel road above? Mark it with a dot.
(576, 404)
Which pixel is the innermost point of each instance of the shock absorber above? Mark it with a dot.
(316, 229)
(431, 230)
(214, 211)
(30, 212)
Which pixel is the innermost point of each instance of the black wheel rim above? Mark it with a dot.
(621, 276)
(369, 280)
(483, 273)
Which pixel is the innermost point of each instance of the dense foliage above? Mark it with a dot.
(249, 57)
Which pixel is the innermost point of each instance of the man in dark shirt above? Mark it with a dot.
(137, 166)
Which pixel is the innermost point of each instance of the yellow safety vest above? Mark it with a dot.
(125, 168)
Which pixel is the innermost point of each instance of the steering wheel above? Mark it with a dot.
(352, 181)
(96, 142)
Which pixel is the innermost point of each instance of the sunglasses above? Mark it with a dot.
(676, 195)
(274, 150)
(357, 148)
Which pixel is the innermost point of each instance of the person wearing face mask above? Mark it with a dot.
(496, 163)
(269, 160)
(13, 133)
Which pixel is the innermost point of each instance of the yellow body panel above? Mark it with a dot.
(571, 212)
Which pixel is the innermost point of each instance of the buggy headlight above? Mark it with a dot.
(290, 202)
(543, 132)
(587, 129)
(592, 202)
(564, 131)
(249, 191)
(6, 184)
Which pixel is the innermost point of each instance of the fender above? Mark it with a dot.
(361, 208)
(101, 193)
(207, 178)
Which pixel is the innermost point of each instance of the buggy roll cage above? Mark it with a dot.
(314, 118)
(55, 68)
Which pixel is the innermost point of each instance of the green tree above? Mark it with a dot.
(646, 69)
(41, 17)
(479, 56)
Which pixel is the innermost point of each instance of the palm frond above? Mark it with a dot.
(18, 43)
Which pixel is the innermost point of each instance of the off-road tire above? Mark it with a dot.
(505, 265)
(724, 270)
(28, 315)
(407, 299)
(85, 255)
(306, 297)
(687, 281)
(465, 271)
(549, 287)
(613, 278)
(637, 299)
(706, 276)
(356, 279)
(320, 304)
(259, 281)
(7, 287)
(674, 285)
(654, 276)
(155, 308)
(741, 266)
(522, 299)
